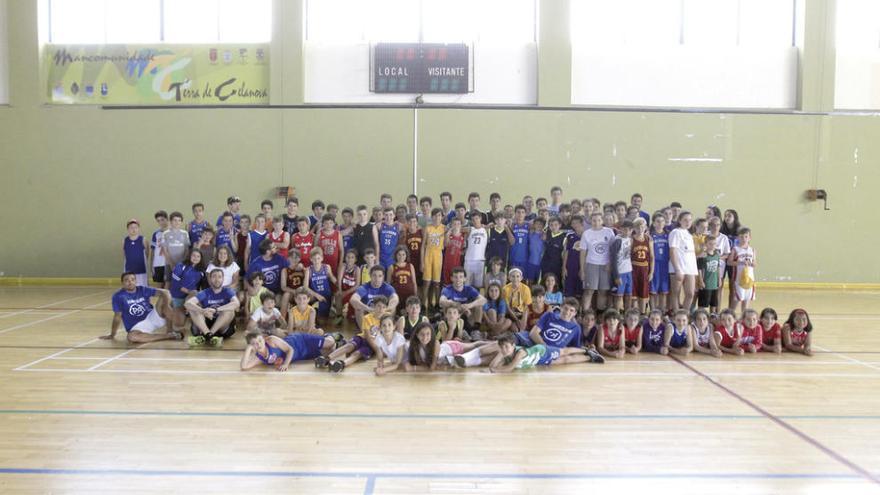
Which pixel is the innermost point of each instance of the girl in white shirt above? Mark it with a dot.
(390, 345)
(225, 262)
(682, 263)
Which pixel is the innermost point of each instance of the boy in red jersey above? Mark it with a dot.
(303, 240)
(453, 251)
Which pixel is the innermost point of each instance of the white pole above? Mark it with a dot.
(415, 186)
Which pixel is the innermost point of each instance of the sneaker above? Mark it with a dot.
(477, 335)
(337, 366)
(460, 362)
(216, 341)
(195, 340)
(595, 357)
(338, 321)
(175, 335)
(321, 362)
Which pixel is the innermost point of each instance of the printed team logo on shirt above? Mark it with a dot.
(270, 275)
(601, 247)
(137, 309)
(552, 334)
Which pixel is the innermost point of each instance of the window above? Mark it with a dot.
(857, 84)
(441, 21)
(152, 21)
(726, 53)
(339, 34)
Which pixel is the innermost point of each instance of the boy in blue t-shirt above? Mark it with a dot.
(212, 311)
(134, 252)
(198, 224)
(273, 266)
(141, 320)
(536, 252)
(519, 249)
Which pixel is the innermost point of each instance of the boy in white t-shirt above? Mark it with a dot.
(267, 319)
(595, 262)
(157, 258)
(475, 255)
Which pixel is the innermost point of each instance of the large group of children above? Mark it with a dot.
(540, 283)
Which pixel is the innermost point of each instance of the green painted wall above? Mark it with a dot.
(71, 176)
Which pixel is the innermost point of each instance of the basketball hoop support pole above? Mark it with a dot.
(415, 186)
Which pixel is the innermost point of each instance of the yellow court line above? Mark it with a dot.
(50, 281)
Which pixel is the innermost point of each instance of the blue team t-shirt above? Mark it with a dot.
(223, 238)
(536, 247)
(465, 295)
(519, 251)
(184, 276)
(210, 299)
(134, 306)
(195, 230)
(559, 333)
(498, 305)
(270, 269)
(367, 292)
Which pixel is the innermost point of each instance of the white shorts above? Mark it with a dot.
(141, 280)
(151, 323)
(474, 271)
(744, 294)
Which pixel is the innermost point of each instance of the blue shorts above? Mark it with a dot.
(323, 308)
(305, 346)
(523, 339)
(361, 345)
(660, 282)
(552, 354)
(385, 262)
(626, 284)
(532, 272)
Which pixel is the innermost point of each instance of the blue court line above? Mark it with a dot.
(420, 416)
(418, 475)
(371, 485)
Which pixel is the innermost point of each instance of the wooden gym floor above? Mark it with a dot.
(80, 415)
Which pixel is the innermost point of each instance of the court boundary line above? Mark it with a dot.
(25, 367)
(415, 475)
(53, 317)
(850, 359)
(785, 425)
(418, 416)
(49, 305)
(118, 356)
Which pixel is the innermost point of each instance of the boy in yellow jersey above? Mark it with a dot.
(432, 259)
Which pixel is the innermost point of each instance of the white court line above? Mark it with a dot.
(59, 315)
(66, 358)
(22, 367)
(846, 317)
(114, 358)
(51, 304)
(854, 360)
(461, 374)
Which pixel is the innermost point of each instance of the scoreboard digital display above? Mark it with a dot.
(421, 68)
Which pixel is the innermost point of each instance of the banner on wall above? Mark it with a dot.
(158, 74)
